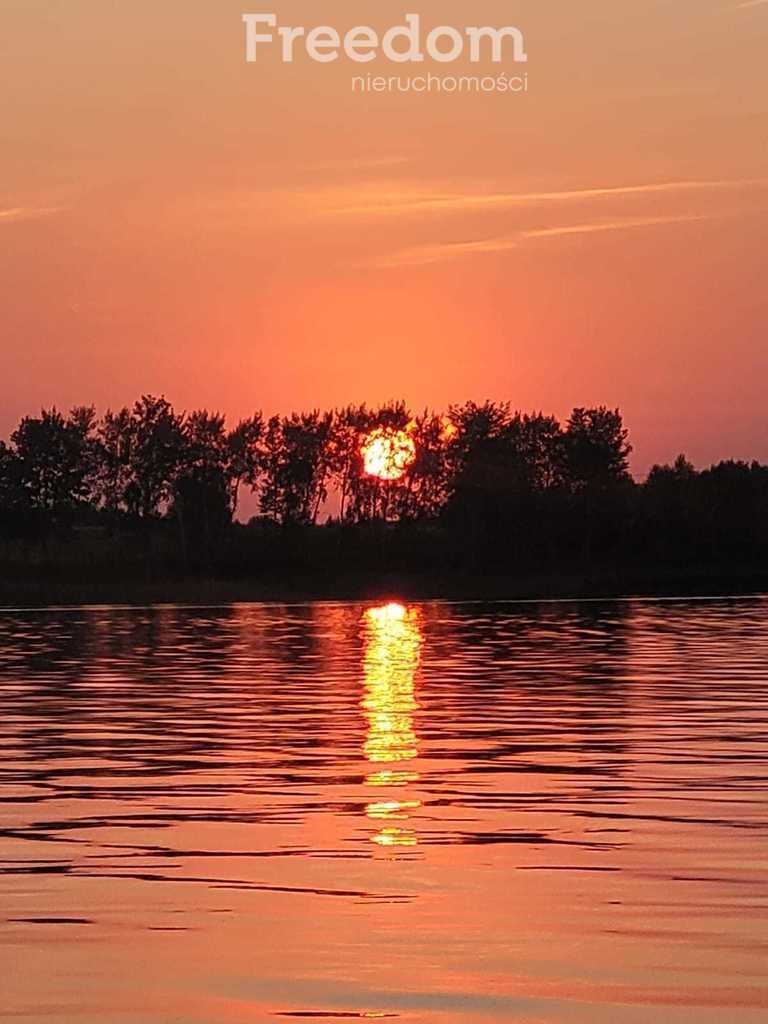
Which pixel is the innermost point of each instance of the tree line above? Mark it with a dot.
(489, 487)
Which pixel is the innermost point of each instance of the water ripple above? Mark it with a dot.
(561, 806)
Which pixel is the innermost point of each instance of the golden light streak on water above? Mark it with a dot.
(392, 652)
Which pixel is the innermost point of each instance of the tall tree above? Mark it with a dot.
(56, 457)
(16, 514)
(348, 427)
(155, 454)
(115, 439)
(596, 449)
(425, 487)
(477, 448)
(202, 493)
(296, 467)
(244, 456)
(369, 497)
(534, 444)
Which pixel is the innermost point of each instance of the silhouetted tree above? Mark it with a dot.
(372, 498)
(202, 491)
(17, 517)
(56, 461)
(596, 449)
(244, 456)
(115, 438)
(596, 470)
(489, 489)
(733, 498)
(348, 427)
(295, 467)
(426, 485)
(502, 465)
(535, 443)
(478, 438)
(670, 510)
(155, 453)
(364, 497)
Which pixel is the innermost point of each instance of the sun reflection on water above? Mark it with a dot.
(392, 652)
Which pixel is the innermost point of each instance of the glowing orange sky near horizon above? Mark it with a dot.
(256, 236)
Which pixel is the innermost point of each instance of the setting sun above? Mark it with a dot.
(388, 453)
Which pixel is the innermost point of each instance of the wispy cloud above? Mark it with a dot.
(749, 3)
(13, 214)
(440, 253)
(401, 203)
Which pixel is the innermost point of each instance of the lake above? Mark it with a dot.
(439, 813)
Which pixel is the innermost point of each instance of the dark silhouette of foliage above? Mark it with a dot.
(363, 498)
(55, 461)
(17, 516)
(371, 498)
(115, 442)
(154, 456)
(596, 449)
(202, 490)
(295, 467)
(490, 489)
(427, 485)
(244, 456)
(140, 452)
(345, 458)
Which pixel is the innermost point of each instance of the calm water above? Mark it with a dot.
(437, 813)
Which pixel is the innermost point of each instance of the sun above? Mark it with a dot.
(388, 453)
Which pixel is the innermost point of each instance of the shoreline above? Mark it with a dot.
(366, 587)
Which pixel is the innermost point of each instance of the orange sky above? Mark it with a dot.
(241, 236)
